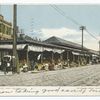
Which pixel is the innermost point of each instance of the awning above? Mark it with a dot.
(58, 50)
(35, 48)
(10, 46)
(31, 48)
(94, 55)
(75, 53)
(47, 49)
(87, 55)
(53, 50)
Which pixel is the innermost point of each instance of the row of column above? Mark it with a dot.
(79, 59)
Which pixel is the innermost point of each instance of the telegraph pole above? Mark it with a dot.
(0, 9)
(14, 38)
(99, 48)
(82, 28)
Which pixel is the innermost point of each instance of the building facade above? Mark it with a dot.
(30, 51)
(5, 29)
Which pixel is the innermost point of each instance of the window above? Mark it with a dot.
(3, 29)
(0, 27)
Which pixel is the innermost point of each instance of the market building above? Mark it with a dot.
(51, 51)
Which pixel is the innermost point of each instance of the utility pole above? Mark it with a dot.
(0, 9)
(99, 48)
(82, 28)
(15, 38)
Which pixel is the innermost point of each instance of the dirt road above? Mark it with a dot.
(80, 76)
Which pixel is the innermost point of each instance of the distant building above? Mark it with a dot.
(5, 29)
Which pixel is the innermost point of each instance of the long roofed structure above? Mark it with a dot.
(62, 42)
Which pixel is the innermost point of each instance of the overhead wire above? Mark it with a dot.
(91, 34)
(64, 15)
(60, 11)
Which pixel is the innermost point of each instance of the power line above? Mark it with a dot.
(91, 34)
(61, 12)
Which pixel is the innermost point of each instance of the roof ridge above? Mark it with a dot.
(62, 41)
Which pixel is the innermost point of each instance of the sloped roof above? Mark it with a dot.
(62, 42)
(53, 42)
(30, 41)
(23, 39)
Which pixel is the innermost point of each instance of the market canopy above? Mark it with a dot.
(9, 46)
(62, 42)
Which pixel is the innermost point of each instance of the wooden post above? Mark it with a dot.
(52, 57)
(61, 56)
(41, 57)
(99, 50)
(67, 58)
(27, 56)
(82, 28)
(78, 60)
(73, 58)
(15, 56)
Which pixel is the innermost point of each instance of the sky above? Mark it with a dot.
(43, 21)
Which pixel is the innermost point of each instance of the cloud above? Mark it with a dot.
(62, 32)
(68, 34)
(91, 42)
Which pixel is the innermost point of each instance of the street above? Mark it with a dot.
(77, 76)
